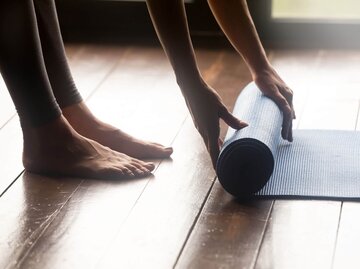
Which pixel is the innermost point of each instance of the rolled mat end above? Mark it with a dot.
(244, 167)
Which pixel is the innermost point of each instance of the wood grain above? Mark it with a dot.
(26, 210)
(227, 234)
(347, 254)
(300, 234)
(160, 221)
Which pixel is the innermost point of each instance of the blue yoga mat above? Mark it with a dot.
(256, 162)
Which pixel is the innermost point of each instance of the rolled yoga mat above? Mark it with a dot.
(256, 162)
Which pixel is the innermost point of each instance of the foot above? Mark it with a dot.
(57, 149)
(86, 124)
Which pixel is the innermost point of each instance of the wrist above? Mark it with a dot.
(190, 83)
(263, 70)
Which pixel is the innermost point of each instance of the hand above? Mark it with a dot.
(275, 88)
(206, 108)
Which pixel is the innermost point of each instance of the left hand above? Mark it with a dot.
(272, 86)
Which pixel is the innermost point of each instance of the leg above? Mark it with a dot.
(70, 101)
(51, 146)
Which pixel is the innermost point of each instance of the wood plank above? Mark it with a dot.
(330, 114)
(347, 254)
(232, 76)
(11, 153)
(25, 211)
(300, 234)
(160, 221)
(334, 92)
(99, 198)
(298, 69)
(227, 234)
(92, 64)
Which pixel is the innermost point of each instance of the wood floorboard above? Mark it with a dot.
(228, 233)
(298, 69)
(346, 254)
(300, 234)
(160, 221)
(10, 154)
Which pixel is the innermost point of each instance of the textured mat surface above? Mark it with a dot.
(256, 161)
(317, 164)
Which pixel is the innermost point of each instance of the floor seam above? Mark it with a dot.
(195, 222)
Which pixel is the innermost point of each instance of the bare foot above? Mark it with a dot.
(86, 124)
(57, 149)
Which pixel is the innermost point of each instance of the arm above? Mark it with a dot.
(235, 20)
(205, 105)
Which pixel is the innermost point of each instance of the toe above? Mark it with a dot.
(153, 150)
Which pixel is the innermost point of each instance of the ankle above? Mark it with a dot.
(52, 132)
(78, 113)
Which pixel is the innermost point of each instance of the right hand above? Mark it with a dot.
(206, 109)
(271, 84)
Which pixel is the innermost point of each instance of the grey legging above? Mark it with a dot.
(33, 61)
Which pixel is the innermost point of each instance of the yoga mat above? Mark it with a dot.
(256, 162)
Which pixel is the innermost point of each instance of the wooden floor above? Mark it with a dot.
(179, 217)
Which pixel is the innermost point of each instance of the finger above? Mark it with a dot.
(221, 142)
(214, 150)
(293, 112)
(287, 124)
(287, 114)
(231, 120)
(290, 135)
(289, 96)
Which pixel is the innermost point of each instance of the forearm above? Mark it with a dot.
(169, 19)
(235, 20)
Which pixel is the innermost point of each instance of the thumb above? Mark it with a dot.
(231, 120)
